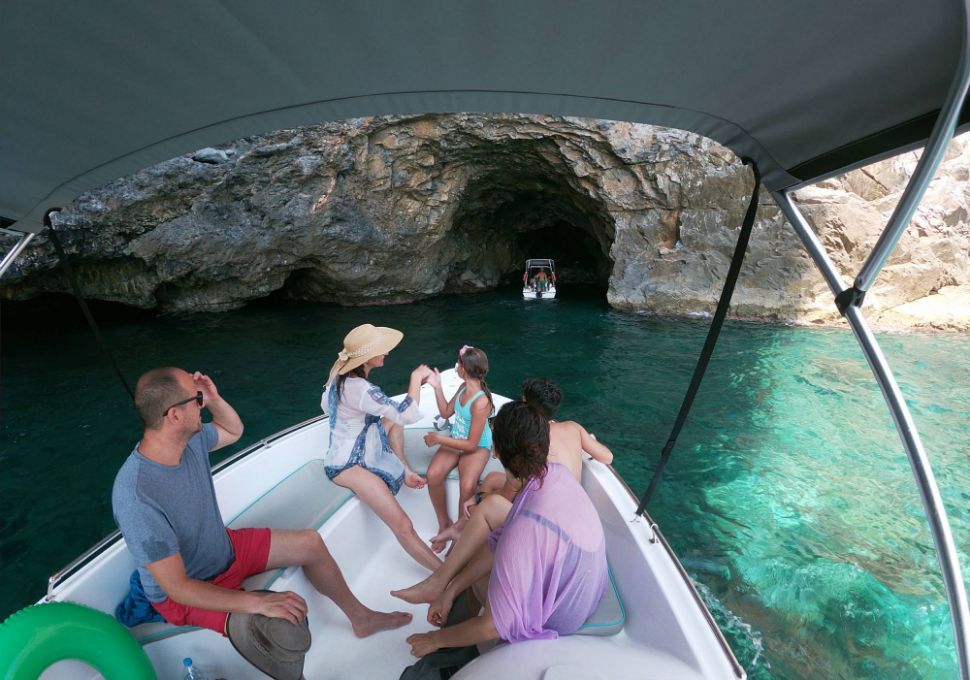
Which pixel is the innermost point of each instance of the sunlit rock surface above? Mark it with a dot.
(387, 210)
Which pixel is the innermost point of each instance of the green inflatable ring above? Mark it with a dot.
(41, 635)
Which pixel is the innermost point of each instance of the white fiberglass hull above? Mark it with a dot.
(530, 294)
(667, 629)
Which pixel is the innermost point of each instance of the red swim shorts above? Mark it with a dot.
(251, 547)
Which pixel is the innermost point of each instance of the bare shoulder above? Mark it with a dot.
(482, 405)
(569, 426)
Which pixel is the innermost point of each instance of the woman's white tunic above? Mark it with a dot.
(357, 434)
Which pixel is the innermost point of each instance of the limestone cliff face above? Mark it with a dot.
(384, 210)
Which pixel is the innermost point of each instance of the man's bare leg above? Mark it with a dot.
(307, 549)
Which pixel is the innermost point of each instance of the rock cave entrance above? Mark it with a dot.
(531, 208)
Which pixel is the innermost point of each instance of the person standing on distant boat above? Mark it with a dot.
(542, 281)
(190, 564)
(366, 447)
(469, 444)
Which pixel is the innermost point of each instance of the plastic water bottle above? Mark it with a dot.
(191, 672)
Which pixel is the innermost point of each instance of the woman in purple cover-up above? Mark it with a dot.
(548, 569)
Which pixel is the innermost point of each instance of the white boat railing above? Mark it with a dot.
(266, 442)
(658, 537)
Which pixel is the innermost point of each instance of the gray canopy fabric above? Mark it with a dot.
(93, 91)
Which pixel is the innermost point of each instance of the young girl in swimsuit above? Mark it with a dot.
(470, 442)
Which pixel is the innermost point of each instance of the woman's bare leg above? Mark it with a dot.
(486, 517)
(395, 439)
(479, 567)
(307, 549)
(372, 490)
(395, 436)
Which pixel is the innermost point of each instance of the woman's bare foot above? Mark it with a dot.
(375, 622)
(440, 540)
(439, 609)
(413, 480)
(420, 593)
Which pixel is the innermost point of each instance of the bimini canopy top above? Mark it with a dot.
(94, 91)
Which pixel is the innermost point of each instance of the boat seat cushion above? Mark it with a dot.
(609, 617)
(276, 509)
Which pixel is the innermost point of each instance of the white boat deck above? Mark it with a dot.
(374, 564)
(666, 634)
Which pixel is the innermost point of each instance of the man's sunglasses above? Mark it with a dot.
(198, 398)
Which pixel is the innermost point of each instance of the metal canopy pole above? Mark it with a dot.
(25, 238)
(919, 462)
(943, 130)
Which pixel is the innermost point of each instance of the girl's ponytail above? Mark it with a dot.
(475, 363)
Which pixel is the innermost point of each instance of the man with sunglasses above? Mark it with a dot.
(190, 564)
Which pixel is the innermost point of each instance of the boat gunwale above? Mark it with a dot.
(114, 537)
(658, 536)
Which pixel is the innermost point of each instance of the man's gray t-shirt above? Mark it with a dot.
(167, 509)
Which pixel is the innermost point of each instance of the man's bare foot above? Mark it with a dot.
(440, 540)
(420, 593)
(439, 609)
(375, 622)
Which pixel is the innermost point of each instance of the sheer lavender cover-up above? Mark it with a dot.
(549, 570)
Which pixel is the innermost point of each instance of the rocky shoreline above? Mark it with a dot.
(389, 210)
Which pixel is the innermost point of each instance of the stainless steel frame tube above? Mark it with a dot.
(920, 464)
(8, 259)
(943, 130)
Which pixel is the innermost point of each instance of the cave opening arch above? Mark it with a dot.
(523, 205)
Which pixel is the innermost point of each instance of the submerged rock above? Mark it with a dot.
(394, 209)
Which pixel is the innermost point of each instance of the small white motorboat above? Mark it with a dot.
(539, 280)
(651, 617)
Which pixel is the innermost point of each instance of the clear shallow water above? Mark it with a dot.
(788, 497)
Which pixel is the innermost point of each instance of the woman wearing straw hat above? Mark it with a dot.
(366, 451)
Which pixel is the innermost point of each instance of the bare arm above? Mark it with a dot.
(469, 632)
(227, 422)
(374, 402)
(180, 587)
(591, 446)
(480, 411)
(418, 376)
(446, 408)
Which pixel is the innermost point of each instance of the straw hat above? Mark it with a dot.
(275, 646)
(363, 343)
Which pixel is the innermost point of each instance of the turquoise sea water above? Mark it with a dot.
(788, 498)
